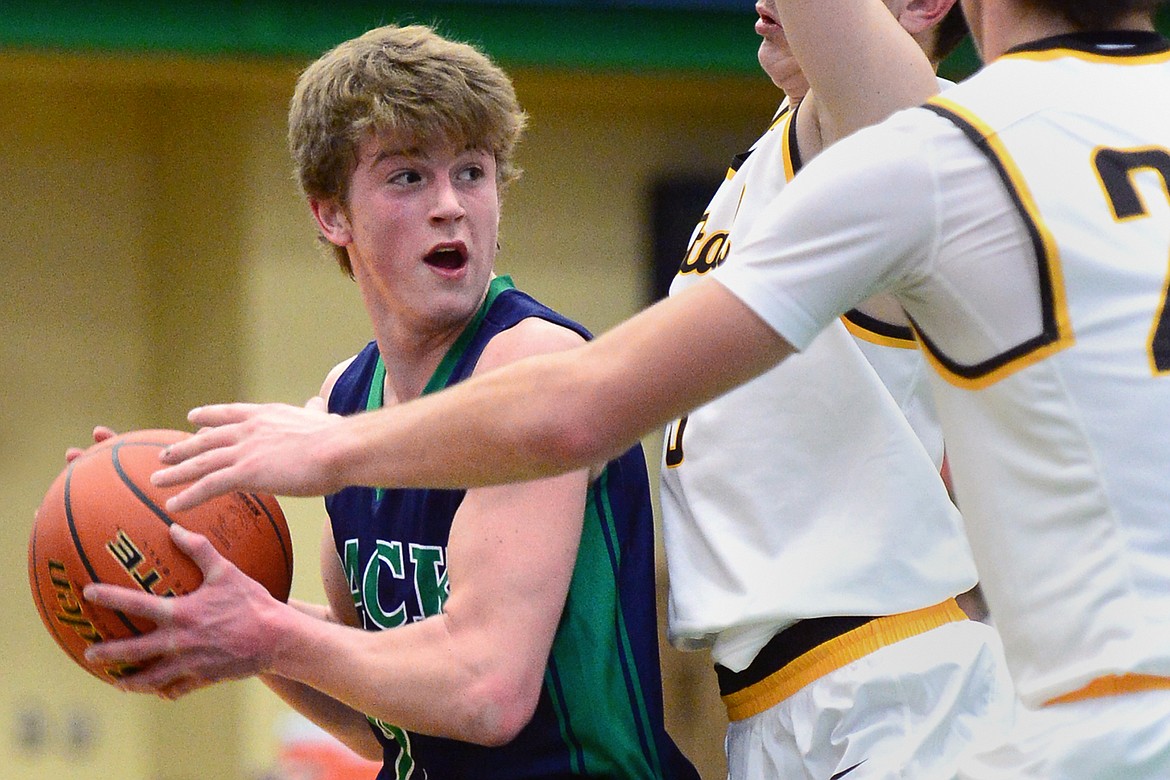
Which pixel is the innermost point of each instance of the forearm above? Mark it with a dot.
(540, 416)
(418, 677)
(563, 411)
(473, 672)
(479, 683)
(531, 419)
(343, 722)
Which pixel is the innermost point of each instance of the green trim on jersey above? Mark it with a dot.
(376, 396)
(377, 392)
(592, 701)
(447, 365)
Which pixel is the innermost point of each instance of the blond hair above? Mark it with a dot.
(408, 82)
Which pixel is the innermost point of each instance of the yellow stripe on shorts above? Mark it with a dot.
(836, 653)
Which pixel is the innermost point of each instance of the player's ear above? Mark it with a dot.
(332, 220)
(918, 16)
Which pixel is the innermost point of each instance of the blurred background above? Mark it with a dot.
(156, 255)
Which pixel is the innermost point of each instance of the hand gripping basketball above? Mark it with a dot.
(103, 521)
(207, 636)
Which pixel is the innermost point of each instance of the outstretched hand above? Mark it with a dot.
(214, 633)
(266, 448)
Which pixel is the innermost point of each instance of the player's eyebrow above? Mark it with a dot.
(383, 154)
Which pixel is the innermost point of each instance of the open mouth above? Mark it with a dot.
(767, 22)
(447, 258)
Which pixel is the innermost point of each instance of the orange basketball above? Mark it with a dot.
(102, 521)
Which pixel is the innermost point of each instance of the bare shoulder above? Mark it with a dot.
(332, 376)
(531, 336)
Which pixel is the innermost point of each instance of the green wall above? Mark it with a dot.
(571, 35)
(591, 37)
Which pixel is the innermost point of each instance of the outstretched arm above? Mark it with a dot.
(535, 417)
(472, 671)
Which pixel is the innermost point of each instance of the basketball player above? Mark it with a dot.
(1022, 220)
(794, 472)
(520, 632)
(1034, 269)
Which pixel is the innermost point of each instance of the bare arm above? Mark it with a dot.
(473, 672)
(860, 61)
(535, 417)
(343, 722)
(340, 720)
(862, 64)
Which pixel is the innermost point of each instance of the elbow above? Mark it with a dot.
(587, 430)
(498, 709)
(575, 444)
(366, 746)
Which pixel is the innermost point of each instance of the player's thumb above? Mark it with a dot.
(196, 547)
(316, 404)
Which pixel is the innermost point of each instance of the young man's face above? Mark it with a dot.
(423, 229)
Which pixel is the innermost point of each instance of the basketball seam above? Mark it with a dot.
(161, 513)
(158, 511)
(284, 551)
(81, 549)
(125, 475)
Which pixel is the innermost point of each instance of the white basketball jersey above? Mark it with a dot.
(1061, 436)
(806, 491)
(1023, 220)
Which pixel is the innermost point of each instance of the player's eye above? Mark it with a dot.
(406, 177)
(471, 173)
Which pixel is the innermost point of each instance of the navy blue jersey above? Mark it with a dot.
(600, 708)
